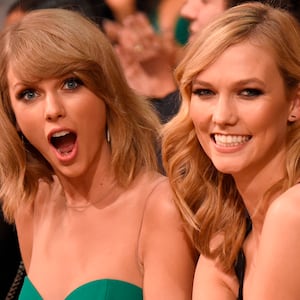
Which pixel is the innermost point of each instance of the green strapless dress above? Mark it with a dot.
(103, 289)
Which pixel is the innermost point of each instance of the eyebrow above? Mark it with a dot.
(17, 84)
(239, 82)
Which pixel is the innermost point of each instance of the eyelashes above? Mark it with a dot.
(72, 83)
(202, 92)
(246, 93)
(28, 94)
(251, 92)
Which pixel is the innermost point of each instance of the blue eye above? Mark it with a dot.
(27, 95)
(202, 92)
(72, 83)
(251, 93)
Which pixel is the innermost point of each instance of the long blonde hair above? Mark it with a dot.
(50, 43)
(208, 199)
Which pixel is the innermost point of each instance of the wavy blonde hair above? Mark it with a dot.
(208, 199)
(50, 43)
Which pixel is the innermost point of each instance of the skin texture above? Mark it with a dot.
(58, 104)
(121, 9)
(148, 58)
(240, 104)
(13, 17)
(201, 12)
(78, 222)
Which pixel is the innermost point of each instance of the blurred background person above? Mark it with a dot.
(163, 15)
(20, 7)
(149, 44)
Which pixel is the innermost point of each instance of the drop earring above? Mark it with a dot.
(21, 136)
(107, 135)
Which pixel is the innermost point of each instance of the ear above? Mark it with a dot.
(294, 114)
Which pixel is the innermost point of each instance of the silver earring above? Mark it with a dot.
(107, 135)
(21, 136)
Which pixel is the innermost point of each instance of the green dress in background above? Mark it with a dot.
(181, 30)
(103, 289)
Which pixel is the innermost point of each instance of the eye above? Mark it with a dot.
(202, 92)
(251, 93)
(27, 95)
(72, 83)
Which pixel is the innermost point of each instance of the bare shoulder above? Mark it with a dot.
(24, 225)
(271, 278)
(284, 211)
(281, 228)
(28, 216)
(159, 197)
(165, 251)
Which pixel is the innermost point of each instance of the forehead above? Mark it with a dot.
(12, 76)
(242, 61)
(19, 75)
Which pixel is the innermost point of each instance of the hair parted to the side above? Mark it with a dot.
(208, 199)
(51, 43)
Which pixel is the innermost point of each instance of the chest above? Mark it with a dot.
(80, 246)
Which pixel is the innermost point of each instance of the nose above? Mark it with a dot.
(54, 107)
(225, 112)
(190, 9)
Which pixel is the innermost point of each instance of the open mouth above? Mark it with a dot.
(230, 140)
(63, 141)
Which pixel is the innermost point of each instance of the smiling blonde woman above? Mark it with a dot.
(232, 154)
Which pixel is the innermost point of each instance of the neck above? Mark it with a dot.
(256, 197)
(92, 186)
(254, 182)
(100, 195)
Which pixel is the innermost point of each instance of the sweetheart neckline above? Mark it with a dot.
(83, 285)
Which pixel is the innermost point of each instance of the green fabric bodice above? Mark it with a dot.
(103, 289)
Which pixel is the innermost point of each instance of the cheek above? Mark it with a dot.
(199, 114)
(272, 118)
(29, 123)
(201, 118)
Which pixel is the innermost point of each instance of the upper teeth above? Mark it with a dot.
(231, 140)
(60, 133)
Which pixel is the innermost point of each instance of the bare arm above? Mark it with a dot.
(165, 250)
(24, 226)
(276, 275)
(213, 284)
(27, 216)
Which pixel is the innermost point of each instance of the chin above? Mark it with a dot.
(227, 168)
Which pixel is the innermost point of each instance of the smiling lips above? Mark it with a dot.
(63, 142)
(230, 140)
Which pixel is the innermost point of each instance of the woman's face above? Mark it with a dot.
(201, 12)
(240, 110)
(62, 119)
